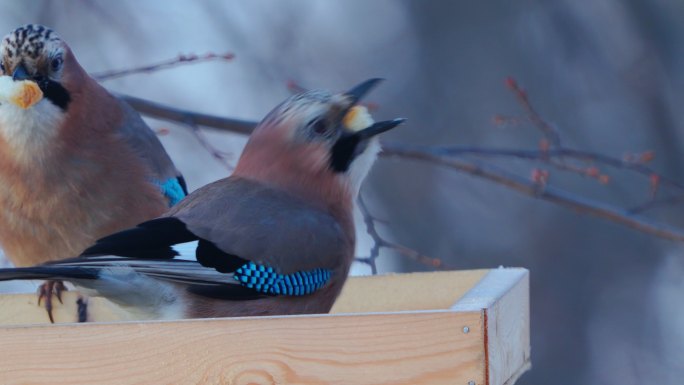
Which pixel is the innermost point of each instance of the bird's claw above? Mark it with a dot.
(82, 305)
(46, 291)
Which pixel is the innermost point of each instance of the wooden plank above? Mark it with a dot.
(401, 292)
(385, 293)
(503, 297)
(448, 327)
(400, 348)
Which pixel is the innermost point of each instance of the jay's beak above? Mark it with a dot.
(351, 142)
(358, 92)
(20, 73)
(378, 128)
(355, 95)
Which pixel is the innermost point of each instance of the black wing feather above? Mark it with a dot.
(155, 239)
(181, 182)
(148, 249)
(211, 256)
(152, 240)
(225, 292)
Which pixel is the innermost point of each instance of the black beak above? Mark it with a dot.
(20, 73)
(351, 144)
(357, 93)
(378, 128)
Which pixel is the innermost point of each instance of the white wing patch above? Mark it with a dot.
(186, 250)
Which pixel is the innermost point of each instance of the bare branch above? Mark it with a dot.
(294, 87)
(379, 242)
(168, 113)
(177, 115)
(550, 152)
(532, 189)
(656, 203)
(547, 129)
(373, 232)
(171, 63)
(215, 153)
(562, 152)
(444, 156)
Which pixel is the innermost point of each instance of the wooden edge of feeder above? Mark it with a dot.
(480, 334)
(423, 347)
(503, 298)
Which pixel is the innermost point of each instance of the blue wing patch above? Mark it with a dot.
(172, 190)
(265, 279)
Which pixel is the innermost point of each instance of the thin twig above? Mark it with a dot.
(373, 232)
(547, 129)
(562, 152)
(294, 87)
(532, 189)
(171, 63)
(219, 155)
(379, 242)
(656, 203)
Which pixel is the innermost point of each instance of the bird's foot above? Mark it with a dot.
(82, 304)
(46, 291)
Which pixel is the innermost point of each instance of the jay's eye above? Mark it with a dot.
(56, 63)
(318, 126)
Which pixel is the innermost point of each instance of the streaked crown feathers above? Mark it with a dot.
(30, 40)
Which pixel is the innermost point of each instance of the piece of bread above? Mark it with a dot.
(23, 93)
(357, 118)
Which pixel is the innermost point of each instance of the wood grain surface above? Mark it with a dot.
(406, 348)
(458, 327)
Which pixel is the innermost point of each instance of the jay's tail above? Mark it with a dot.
(57, 273)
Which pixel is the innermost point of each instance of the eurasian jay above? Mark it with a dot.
(78, 165)
(276, 237)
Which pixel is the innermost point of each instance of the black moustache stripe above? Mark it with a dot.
(343, 152)
(56, 93)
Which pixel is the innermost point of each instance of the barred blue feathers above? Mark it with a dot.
(172, 189)
(264, 279)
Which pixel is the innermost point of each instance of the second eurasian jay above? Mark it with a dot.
(78, 165)
(276, 237)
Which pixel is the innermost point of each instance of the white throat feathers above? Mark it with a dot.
(29, 131)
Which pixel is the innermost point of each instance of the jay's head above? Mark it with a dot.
(318, 133)
(34, 52)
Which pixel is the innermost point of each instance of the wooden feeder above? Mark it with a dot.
(456, 328)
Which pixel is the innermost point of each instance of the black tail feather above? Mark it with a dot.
(60, 273)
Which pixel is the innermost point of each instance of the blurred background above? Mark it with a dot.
(607, 302)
